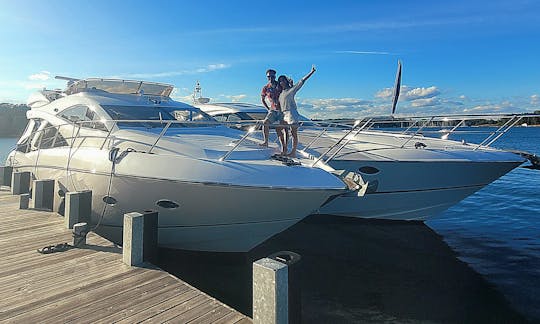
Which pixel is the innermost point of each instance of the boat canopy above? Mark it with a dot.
(120, 87)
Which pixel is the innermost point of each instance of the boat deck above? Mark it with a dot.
(90, 284)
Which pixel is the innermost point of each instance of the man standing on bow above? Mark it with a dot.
(270, 100)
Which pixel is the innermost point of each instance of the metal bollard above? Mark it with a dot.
(276, 289)
(5, 176)
(20, 182)
(78, 207)
(24, 201)
(140, 237)
(270, 292)
(79, 234)
(291, 260)
(43, 194)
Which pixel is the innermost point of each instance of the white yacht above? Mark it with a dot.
(215, 190)
(405, 175)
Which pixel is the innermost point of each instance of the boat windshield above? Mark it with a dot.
(138, 114)
(240, 116)
(121, 87)
(256, 115)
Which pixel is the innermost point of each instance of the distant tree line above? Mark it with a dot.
(533, 120)
(405, 122)
(12, 119)
(488, 122)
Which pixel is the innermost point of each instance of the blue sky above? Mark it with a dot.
(457, 56)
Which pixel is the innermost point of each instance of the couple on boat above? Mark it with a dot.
(278, 98)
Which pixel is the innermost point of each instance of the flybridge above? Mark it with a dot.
(155, 92)
(117, 86)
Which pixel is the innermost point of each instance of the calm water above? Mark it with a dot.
(6, 145)
(496, 230)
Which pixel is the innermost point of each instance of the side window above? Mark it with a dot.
(234, 118)
(83, 115)
(35, 137)
(221, 118)
(182, 115)
(31, 128)
(76, 114)
(50, 137)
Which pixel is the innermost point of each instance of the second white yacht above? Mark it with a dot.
(405, 176)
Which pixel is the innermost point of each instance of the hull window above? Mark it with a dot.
(168, 204)
(109, 200)
(368, 170)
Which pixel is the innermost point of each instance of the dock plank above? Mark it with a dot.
(27, 312)
(90, 284)
(213, 316)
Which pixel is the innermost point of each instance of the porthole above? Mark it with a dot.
(368, 170)
(168, 204)
(109, 200)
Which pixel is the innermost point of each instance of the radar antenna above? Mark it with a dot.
(197, 95)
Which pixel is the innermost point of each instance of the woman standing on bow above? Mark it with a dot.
(288, 105)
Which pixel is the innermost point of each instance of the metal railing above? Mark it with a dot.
(82, 130)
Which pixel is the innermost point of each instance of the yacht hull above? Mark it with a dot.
(414, 190)
(209, 217)
(200, 216)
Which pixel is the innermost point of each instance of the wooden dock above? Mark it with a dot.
(87, 285)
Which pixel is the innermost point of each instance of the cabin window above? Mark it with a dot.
(156, 116)
(83, 116)
(23, 145)
(36, 136)
(234, 118)
(220, 118)
(256, 116)
(39, 134)
(51, 137)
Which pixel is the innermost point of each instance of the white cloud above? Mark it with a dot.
(182, 95)
(340, 108)
(535, 100)
(407, 93)
(424, 102)
(205, 69)
(34, 86)
(237, 98)
(414, 101)
(220, 66)
(385, 93)
(364, 52)
(420, 93)
(41, 76)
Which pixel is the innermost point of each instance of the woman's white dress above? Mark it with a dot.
(288, 104)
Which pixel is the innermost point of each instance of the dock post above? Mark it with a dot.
(43, 194)
(270, 291)
(5, 176)
(79, 234)
(24, 201)
(20, 182)
(78, 207)
(140, 237)
(276, 279)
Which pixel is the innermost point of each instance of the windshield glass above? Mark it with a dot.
(157, 113)
(256, 115)
(121, 86)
